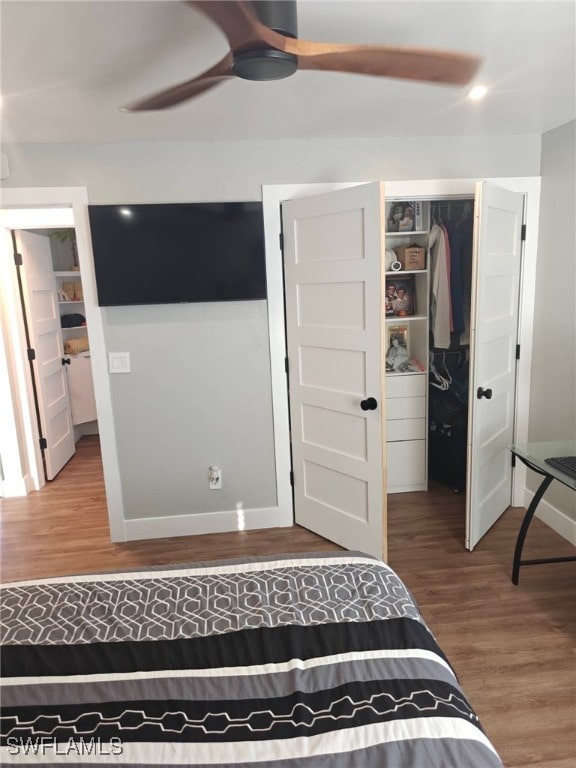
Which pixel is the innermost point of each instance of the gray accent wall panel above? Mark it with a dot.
(199, 393)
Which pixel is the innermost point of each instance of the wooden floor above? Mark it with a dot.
(513, 648)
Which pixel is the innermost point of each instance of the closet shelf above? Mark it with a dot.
(73, 301)
(68, 273)
(407, 234)
(401, 272)
(405, 318)
(399, 374)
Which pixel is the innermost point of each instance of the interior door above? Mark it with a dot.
(333, 249)
(495, 291)
(43, 319)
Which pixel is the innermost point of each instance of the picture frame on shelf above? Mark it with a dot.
(400, 297)
(397, 354)
(405, 216)
(398, 358)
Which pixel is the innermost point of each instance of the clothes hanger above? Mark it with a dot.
(442, 384)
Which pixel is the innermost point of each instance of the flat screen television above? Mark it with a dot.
(178, 252)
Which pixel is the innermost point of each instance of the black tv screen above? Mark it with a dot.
(178, 252)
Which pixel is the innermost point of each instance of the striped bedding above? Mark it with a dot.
(297, 660)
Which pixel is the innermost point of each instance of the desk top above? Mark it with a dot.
(536, 453)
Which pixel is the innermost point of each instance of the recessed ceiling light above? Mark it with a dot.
(478, 92)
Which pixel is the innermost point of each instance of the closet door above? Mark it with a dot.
(494, 335)
(45, 338)
(333, 247)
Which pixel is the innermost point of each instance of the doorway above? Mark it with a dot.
(19, 443)
(57, 344)
(273, 198)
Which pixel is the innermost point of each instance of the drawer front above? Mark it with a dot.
(405, 386)
(405, 429)
(406, 463)
(406, 408)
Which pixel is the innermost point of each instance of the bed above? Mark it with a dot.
(316, 659)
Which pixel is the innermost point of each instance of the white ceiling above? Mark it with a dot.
(68, 67)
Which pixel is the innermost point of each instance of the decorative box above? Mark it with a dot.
(412, 257)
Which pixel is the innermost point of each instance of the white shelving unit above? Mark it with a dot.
(407, 391)
(70, 307)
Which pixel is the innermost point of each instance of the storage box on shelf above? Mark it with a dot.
(412, 257)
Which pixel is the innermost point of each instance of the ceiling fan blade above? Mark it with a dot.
(238, 21)
(388, 61)
(170, 97)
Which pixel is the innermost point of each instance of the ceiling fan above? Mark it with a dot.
(264, 45)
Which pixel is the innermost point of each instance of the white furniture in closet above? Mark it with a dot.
(407, 392)
(70, 300)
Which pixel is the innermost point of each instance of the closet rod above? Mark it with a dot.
(455, 203)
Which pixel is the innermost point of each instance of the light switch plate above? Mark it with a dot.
(119, 362)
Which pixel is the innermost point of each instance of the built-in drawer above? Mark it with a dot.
(406, 385)
(405, 429)
(405, 408)
(406, 463)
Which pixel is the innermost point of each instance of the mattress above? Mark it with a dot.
(296, 660)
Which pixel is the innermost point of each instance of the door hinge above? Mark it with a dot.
(292, 478)
(513, 459)
(18, 259)
(281, 238)
(43, 444)
(31, 354)
(523, 232)
(517, 351)
(286, 364)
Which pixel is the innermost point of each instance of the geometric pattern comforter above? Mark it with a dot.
(298, 660)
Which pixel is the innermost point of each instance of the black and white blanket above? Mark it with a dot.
(303, 660)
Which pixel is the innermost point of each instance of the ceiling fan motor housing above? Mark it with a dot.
(268, 63)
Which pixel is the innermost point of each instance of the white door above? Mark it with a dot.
(495, 291)
(333, 249)
(45, 336)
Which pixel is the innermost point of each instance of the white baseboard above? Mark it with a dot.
(14, 488)
(204, 522)
(29, 484)
(557, 520)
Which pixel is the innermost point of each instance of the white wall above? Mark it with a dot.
(202, 171)
(552, 398)
(211, 391)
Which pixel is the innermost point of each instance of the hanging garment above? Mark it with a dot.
(448, 269)
(459, 236)
(466, 268)
(439, 288)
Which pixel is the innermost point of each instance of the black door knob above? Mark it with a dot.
(370, 404)
(65, 361)
(480, 393)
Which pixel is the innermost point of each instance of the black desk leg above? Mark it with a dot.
(525, 525)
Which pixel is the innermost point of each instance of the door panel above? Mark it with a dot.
(496, 288)
(332, 258)
(45, 333)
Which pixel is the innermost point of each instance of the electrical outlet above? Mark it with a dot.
(214, 478)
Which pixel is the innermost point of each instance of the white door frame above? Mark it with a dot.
(273, 195)
(67, 206)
